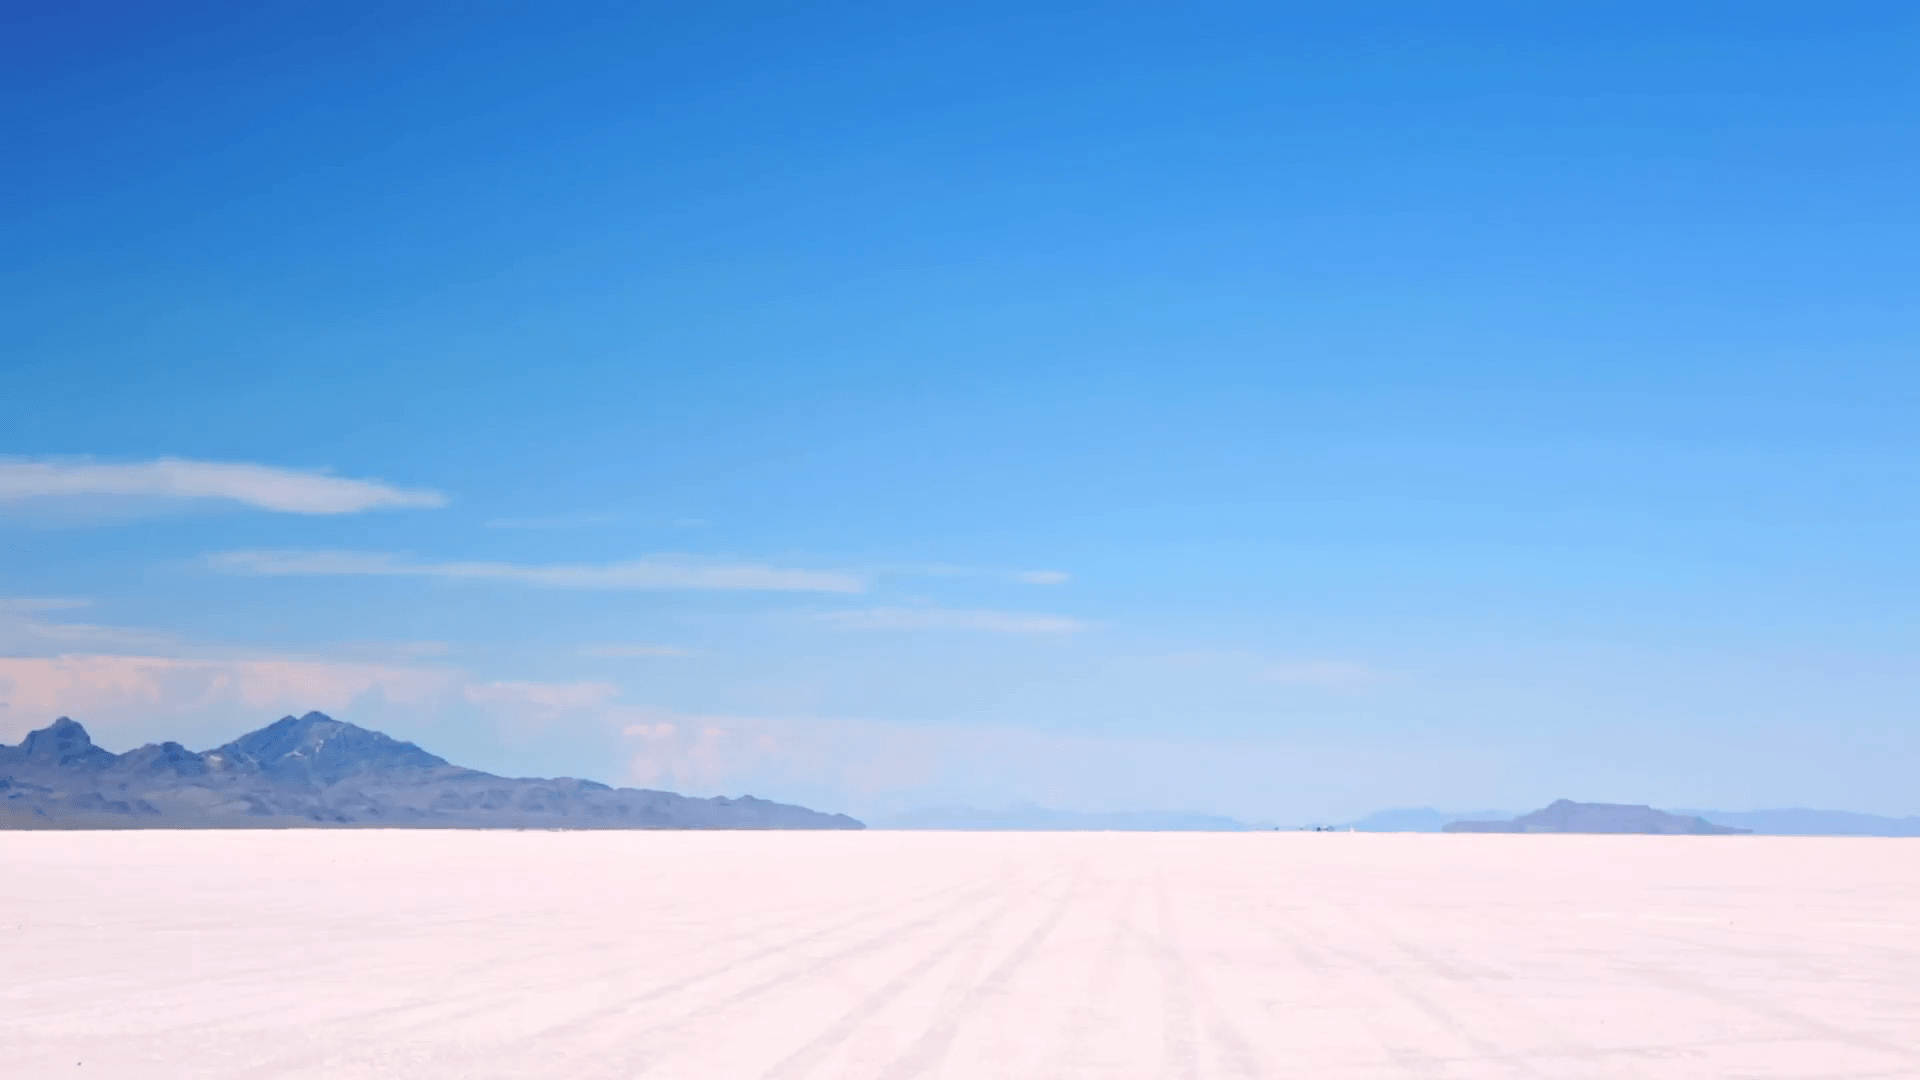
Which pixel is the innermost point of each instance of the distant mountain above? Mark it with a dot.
(317, 771)
(1567, 816)
(1422, 819)
(1800, 822)
(1026, 817)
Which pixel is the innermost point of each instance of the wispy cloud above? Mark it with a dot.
(877, 767)
(1316, 673)
(130, 696)
(647, 572)
(24, 631)
(559, 521)
(570, 521)
(956, 570)
(634, 652)
(24, 604)
(931, 618)
(380, 651)
(267, 487)
(865, 766)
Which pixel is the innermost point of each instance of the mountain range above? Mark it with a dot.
(315, 771)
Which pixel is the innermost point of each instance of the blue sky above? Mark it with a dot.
(1277, 410)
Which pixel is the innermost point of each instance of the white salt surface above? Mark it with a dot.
(710, 956)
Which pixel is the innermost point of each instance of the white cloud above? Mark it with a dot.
(826, 761)
(1316, 673)
(867, 767)
(126, 700)
(930, 618)
(290, 491)
(24, 631)
(25, 604)
(647, 572)
(872, 768)
(389, 651)
(957, 570)
(563, 521)
(633, 652)
(133, 699)
(1237, 664)
(543, 695)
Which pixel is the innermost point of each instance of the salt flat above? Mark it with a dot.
(709, 956)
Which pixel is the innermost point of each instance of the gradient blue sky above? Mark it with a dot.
(1275, 409)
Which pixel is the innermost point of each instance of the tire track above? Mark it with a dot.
(1805, 1027)
(931, 1048)
(1184, 988)
(810, 968)
(484, 1001)
(1440, 1015)
(808, 1057)
(1309, 955)
(1464, 982)
(1088, 1014)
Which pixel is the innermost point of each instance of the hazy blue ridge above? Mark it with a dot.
(1803, 822)
(1027, 817)
(1422, 819)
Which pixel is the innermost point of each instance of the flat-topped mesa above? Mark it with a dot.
(1567, 816)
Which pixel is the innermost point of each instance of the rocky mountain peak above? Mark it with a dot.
(166, 757)
(63, 742)
(318, 749)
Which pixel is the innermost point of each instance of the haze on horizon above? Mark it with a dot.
(1253, 410)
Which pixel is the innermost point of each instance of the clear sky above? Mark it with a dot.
(1280, 410)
